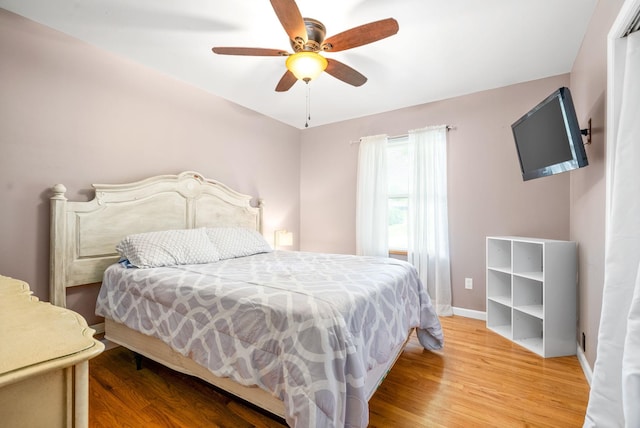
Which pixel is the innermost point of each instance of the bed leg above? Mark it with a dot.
(138, 359)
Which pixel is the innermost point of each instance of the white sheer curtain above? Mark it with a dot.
(372, 198)
(615, 388)
(428, 224)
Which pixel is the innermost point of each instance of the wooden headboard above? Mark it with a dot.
(84, 234)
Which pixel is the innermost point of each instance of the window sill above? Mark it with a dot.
(398, 252)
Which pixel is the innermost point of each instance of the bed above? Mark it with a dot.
(305, 336)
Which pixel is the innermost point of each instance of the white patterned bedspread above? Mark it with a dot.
(305, 326)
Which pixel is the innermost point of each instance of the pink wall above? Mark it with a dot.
(71, 113)
(588, 186)
(486, 193)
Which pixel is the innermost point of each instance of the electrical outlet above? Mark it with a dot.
(468, 283)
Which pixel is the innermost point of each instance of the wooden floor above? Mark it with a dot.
(478, 380)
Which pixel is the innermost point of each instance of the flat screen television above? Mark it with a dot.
(548, 138)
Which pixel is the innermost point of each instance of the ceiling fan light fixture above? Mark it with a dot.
(306, 65)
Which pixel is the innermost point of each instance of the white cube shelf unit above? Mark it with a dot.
(531, 293)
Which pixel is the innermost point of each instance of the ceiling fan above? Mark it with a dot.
(307, 38)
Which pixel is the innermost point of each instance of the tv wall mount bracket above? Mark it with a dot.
(587, 131)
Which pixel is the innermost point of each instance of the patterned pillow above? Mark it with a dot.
(235, 242)
(168, 248)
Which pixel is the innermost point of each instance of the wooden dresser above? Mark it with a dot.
(44, 368)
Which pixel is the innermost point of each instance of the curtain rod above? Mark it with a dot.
(633, 26)
(449, 128)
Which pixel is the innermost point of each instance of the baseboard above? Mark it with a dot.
(586, 368)
(470, 313)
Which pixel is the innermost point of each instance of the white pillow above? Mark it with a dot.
(168, 248)
(235, 242)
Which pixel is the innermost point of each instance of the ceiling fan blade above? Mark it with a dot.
(345, 73)
(290, 18)
(286, 82)
(249, 51)
(362, 35)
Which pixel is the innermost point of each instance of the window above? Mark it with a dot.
(401, 205)
(398, 189)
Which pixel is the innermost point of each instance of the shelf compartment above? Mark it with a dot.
(499, 318)
(527, 258)
(499, 286)
(528, 331)
(528, 296)
(499, 254)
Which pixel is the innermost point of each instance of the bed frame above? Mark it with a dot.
(84, 236)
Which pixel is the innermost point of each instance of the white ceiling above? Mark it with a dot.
(444, 48)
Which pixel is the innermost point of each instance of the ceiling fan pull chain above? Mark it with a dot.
(306, 125)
